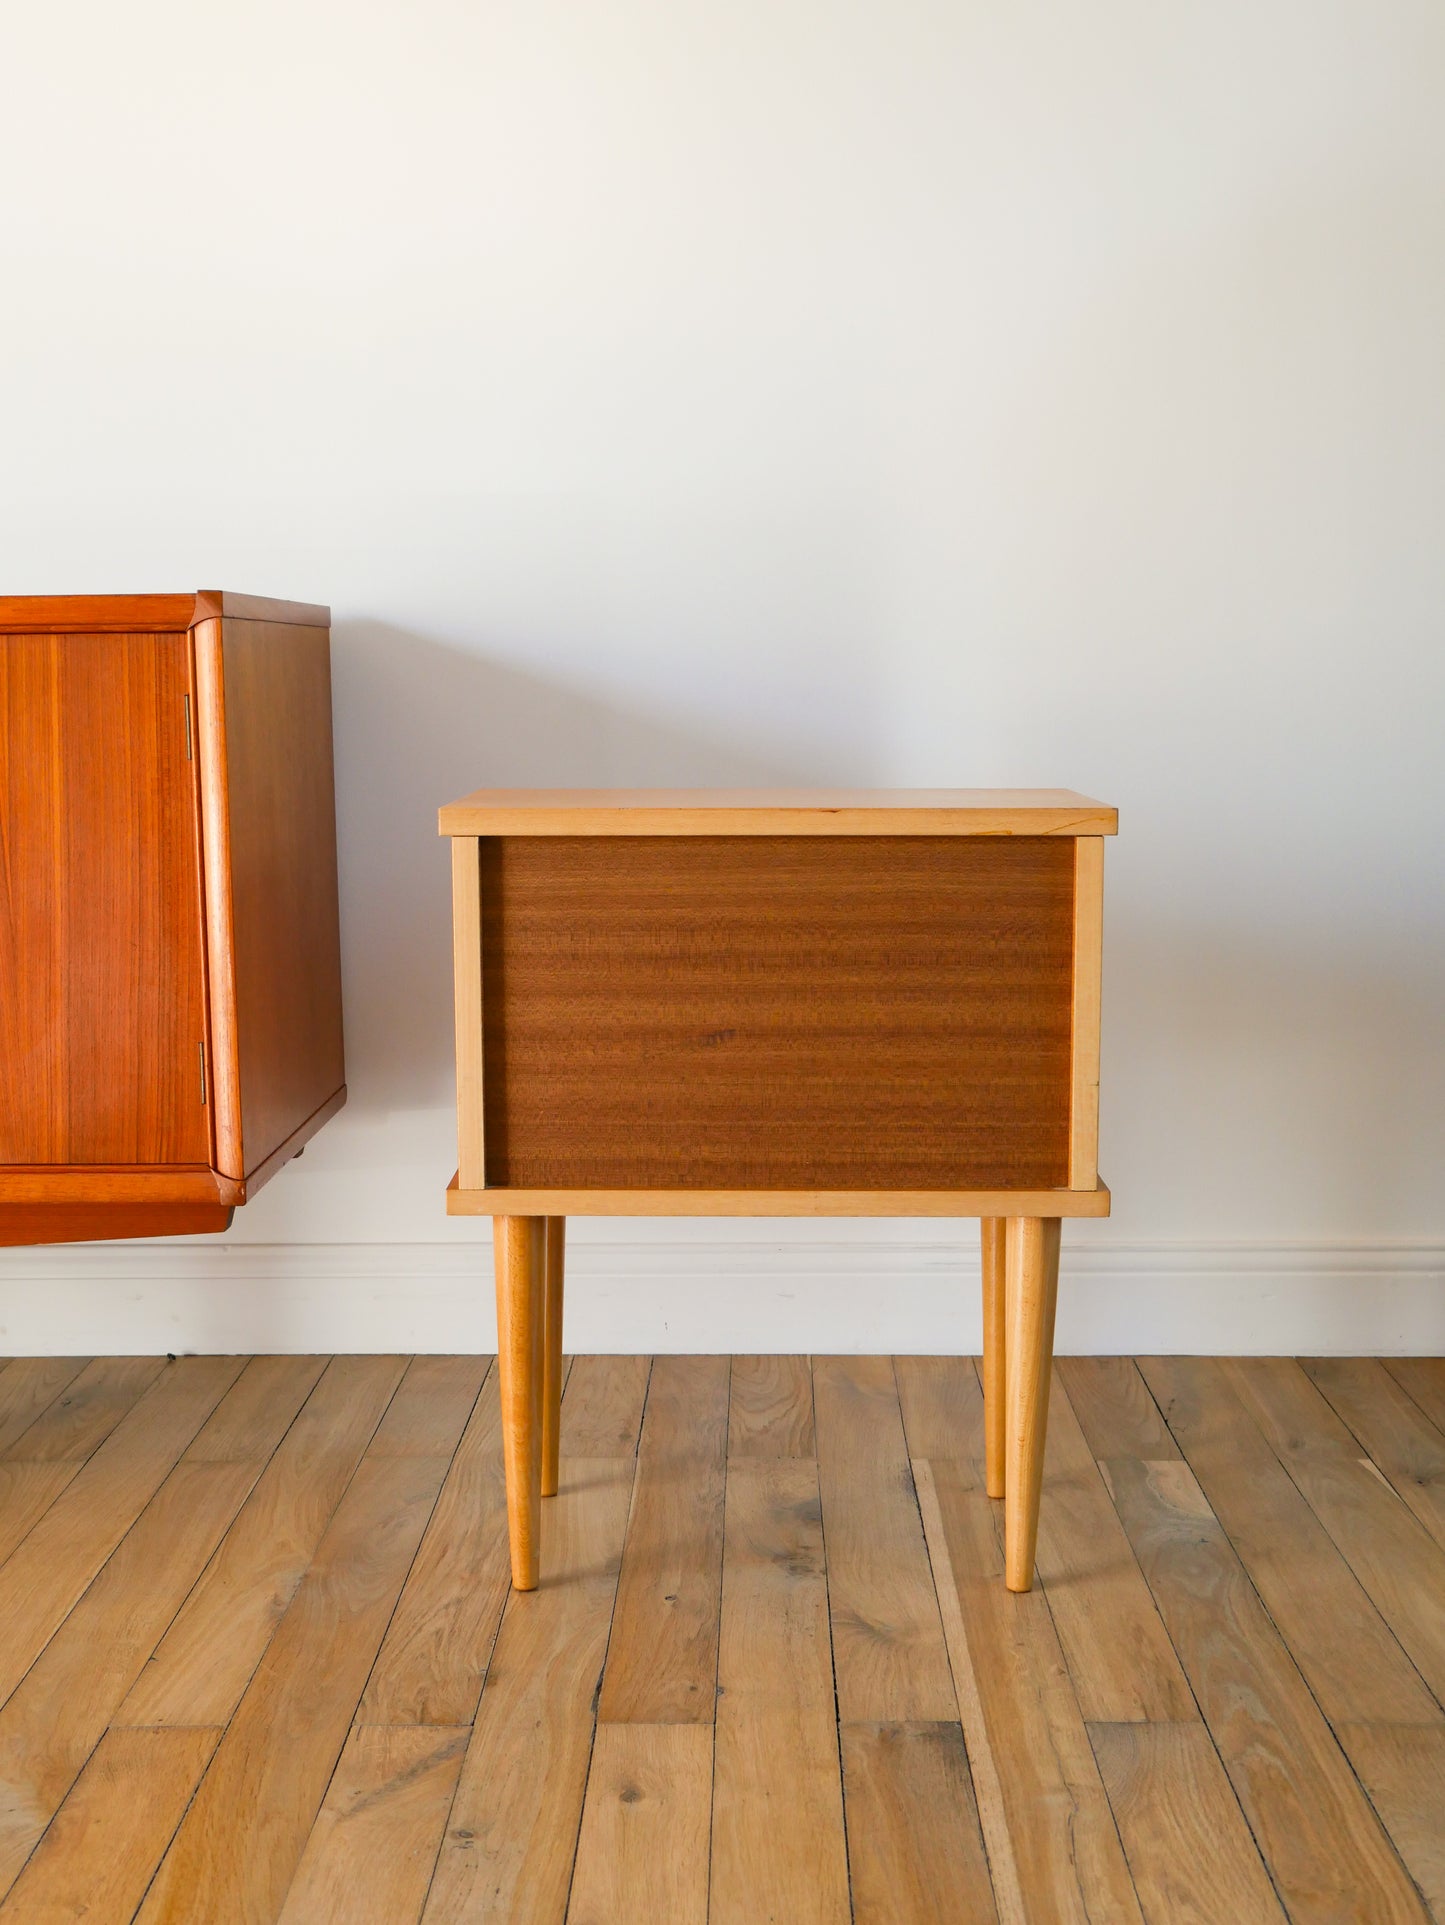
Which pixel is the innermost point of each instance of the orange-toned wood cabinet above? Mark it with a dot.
(170, 970)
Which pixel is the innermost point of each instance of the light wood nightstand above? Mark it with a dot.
(778, 1003)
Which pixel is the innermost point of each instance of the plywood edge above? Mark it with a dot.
(216, 884)
(213, 603)
(463, 1201)
(1085, 1011)
(467, 983)
(758, 813)
(294, 1144)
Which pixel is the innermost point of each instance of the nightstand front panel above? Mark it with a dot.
(102, 992)
(780, 1012)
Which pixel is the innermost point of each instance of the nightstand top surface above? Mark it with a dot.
(872, 812)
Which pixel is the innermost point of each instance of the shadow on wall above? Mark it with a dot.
(417, 724)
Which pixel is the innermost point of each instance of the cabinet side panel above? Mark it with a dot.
(101, 986)
(777, 1012)
(284, 936)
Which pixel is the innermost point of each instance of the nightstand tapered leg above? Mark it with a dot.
(520, 1245)
(1031, 1289)
(552, 1354)
(993, 1237)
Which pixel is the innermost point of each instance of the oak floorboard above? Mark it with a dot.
(1344, 1647)
(771, 1408)
(435, 1399)
(1053, 1846)
(1402, 1767)
(602, 1406)
(1312, 1823)
(1393, 1431)
(434, 1657)
(239, 1845)
(1188, 1845)
(1398, 1563)
(778, 1850)
(257, 1410)
(78, 1420)
(662, 1656)
(1423, 1380)
(888, 1649)
(58, 1713)
(205, 1661)
(97, 1858)
(642, 1852)
(915, 1851)
(508, 1849)
(941, 1400)
(28, 1386)
(1116, 1413)
(51, 1568)
(371, 1852)
(1118, 1653)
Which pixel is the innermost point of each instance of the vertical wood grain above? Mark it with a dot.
(1032, 1285)
(993, 1240)
(467, 993)
(1086, 1011)
(642, 1852)
(283, 925)
(102, 993)
(556, 1257)
(662, 1658)
(519, 1249)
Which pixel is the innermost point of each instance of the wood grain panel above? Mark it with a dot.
(269, 814)
(777, 1013)
(101, 981)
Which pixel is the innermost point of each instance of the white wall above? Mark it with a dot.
(883, 393)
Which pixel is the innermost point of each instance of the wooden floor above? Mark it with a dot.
(259, 1659)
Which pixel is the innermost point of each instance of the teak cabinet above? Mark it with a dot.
(778, 1003)
(170, 977)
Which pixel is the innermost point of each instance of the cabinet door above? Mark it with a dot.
(102, 1013)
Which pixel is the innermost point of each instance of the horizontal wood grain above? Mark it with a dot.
(647, 812)
(787, 1013)
(116, 614)
(33, 1223)
(764, 1203)
(268, 821)
(96, 614)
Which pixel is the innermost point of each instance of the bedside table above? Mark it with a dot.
(778, 1003)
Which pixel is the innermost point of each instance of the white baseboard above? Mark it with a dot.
(870, 1293)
